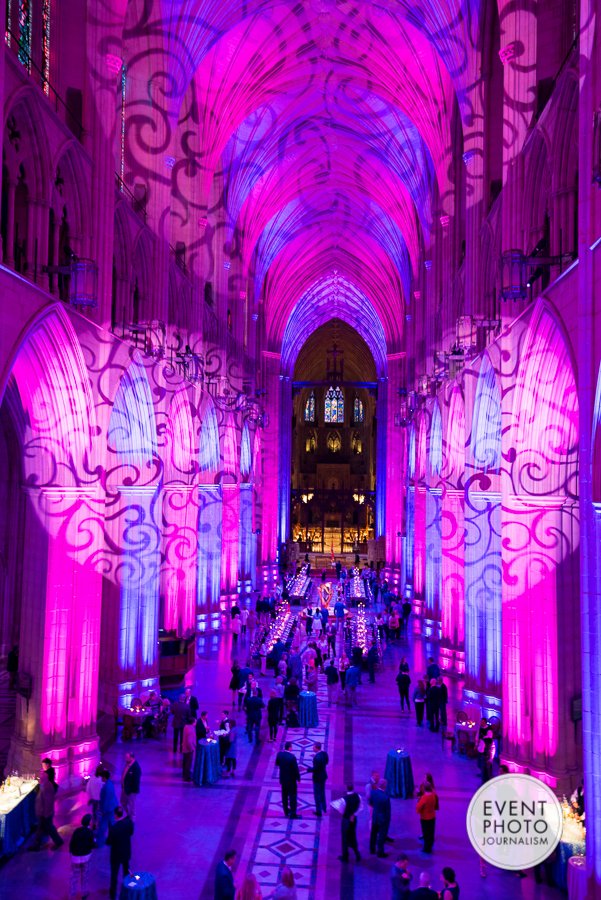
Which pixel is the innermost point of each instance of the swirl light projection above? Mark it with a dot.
(453, 533)
(483, 575)
(540, 538)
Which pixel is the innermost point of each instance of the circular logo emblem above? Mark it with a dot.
(514, 821)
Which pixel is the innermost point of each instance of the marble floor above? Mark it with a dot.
(182, 831)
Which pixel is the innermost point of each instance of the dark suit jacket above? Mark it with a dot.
(201, 730)
(131, 782)
(352, 803)
(288, 766)
(224, 883)
(380, 801)
(119, 839)
(423, 893)
(320, 761)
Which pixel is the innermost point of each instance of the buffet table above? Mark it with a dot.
(17, 813)
(298, 587)
(207, 768)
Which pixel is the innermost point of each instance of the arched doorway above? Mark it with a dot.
(334, 423)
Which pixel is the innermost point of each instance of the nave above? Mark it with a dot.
(182, 831)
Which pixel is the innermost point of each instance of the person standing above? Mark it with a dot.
(119, 840)
(286, 889)
(289, 777)
(320, 776)
(44, 810)
(93, 788)
(251, 625)
(348, 828)
(332, 681)
(403, 681)
(273, 715)
(179, 710)
(80, 848)
(188, 748)
(372, 659)
(108, 805)
(424, 891)
(443, 701)
(254, 708)
(236, 628)
(191, 702)
(382, 811)
(419, 701)
(433, 705)
(426, 809)
(130, 785)
(450, 890)
(224, 877)
(433, 670)
(400, 878)
(231, 754)
(243, 619)
(202, 726)
(235, 682)
(352, 682)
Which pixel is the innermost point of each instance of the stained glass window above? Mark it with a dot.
(358, 411)
(46, 46)
(334, 406)
(310, 408)
(24, 52)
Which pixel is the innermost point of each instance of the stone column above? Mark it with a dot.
(270, 460)
(452, 647)
(433, 563)
(540, 538)
(209, 556)
(60, 635)
(246, 540)
(483, 602)
(179, 558)
(285, 458)
(230, 538)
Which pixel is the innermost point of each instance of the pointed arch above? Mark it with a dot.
(435, 442)
(485, 440)
(180, 430)
(132, 425)
(246, 456)
(208, 450)
(454, 446)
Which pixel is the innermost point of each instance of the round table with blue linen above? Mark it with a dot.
(399, 774)
(207, 768)
(138, 886)
(307, 709)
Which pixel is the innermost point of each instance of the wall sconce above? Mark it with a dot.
(307, 497)
(359, 497)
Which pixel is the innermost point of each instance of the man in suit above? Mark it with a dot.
(254, 712)
(224, 878)
(380, 823)
(424, 891)
(352, 802)
(289, 778)
(119, 840)
(320, 776)
(179, 710)
(130, 785)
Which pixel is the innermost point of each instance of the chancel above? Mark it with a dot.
(300, 416)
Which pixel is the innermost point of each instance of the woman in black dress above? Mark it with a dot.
(235, 682)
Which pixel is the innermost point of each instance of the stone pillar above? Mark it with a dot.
(179, 558)
(452, 647)
(130, 613)
(540, 538)
(209, 556)
(381, 456)
(246, 540)
(230, 538)
(395, 463)
(419, 556)
(60, 635)
(270, 459)
(433, 563)
(483, 602)
(285, 458)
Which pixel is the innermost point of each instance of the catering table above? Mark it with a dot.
(17, 813)
(571, 844)
(577, 878)
(307, 709)
(399, 774)
(207, 768)
(138, 886)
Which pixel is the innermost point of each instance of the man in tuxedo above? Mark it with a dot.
(224, 878)
(289, 778)
(320, 776)
(119, 840)
(380, 823)
(348, 828)
(130, 785)
(424, 891)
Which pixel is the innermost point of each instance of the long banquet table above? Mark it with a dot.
(17, 813)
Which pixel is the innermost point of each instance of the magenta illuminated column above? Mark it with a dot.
(230, 537)
(246, 548)
(452, 645)
(419, 547)
(540, 539)
(209, 556)
(179, 558)
(60, 633)
(270, 460)
(395, 470)
(433, 564)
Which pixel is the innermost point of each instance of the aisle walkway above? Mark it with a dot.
(182, 831)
